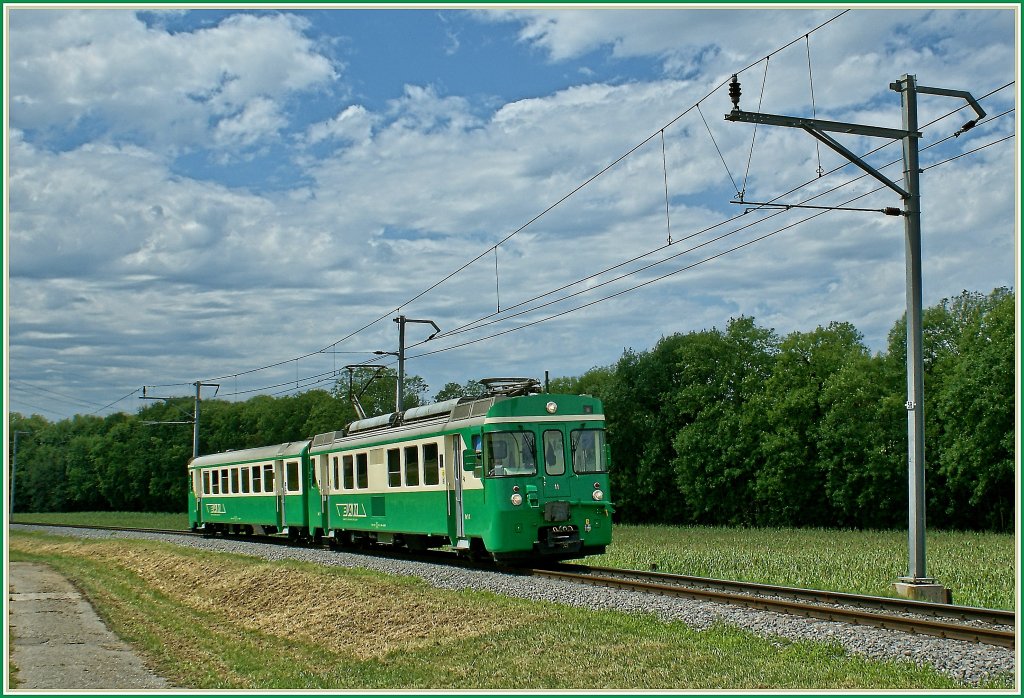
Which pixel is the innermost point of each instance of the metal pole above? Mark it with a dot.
(400, 387)
(916, 569)
(195, 424)
(910, 192)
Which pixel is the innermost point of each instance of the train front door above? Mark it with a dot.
(456, 476)
(554, 458)
(280, 489)
(197, 490)
(319, 518)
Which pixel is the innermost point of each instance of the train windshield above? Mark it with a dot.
(588, 450)
(510, 453)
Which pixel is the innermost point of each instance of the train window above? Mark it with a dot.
(224, 482)
(554, 452)
(430, 464)
(291, 478)
(214, 482)
(362, 478)
(347, 473)
(268, 477)
(412, 466)
(587, 447)
(510, 453)
(245, 481)
(394, 468)
(235, 489)
(256, 470)
(206, 482)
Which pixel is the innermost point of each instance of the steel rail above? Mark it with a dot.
(953, 631)
(991, 616)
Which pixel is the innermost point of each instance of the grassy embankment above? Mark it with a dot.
(978, 567)
(212, 620)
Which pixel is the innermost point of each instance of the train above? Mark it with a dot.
(515, 475)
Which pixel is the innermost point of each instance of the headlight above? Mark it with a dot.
(551, 407)
(517, 499)
(598, 495)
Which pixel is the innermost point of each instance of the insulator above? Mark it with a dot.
(892, 211)
(966, 127)
(734, 92)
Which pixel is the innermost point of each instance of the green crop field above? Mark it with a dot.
(977, 567)
(108, 518)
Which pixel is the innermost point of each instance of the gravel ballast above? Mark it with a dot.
(968, 662)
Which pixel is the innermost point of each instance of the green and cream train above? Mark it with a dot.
(511, 477)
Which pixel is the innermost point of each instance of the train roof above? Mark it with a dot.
(247, 455)
(468, 409)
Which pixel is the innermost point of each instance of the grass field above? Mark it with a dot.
(108, 518)
(979, 568)
(218, 621)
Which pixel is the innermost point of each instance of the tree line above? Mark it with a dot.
(736, 426)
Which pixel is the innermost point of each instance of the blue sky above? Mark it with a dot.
(197, 194)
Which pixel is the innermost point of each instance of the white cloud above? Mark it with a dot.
(258, 121)
(116, 254)
(683, 36)
(105, 73)
(354, 123)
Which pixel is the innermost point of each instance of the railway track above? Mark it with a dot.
(982, 625)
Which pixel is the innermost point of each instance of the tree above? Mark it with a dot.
(974, 406)
(451, 390)
(713, 427)
(790, 483)
(862, 444)
(718, 431)
(375, 389)
(594, 382)
(968, 373)
(640, 477)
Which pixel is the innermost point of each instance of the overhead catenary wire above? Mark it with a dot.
(719, 151)
(506, 238)
(34, 406)
(120, 399)
(690, 266)
(533, 220)
(63, 397)
(479, 324)
(664, 170)
(753, 137)
(488, 319)
(814, 108)
(643, 284)
(778, 212)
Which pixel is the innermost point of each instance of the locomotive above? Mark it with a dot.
(514, 475)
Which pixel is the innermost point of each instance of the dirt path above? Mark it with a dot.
(58, 641)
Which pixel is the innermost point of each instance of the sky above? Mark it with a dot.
(249, 197)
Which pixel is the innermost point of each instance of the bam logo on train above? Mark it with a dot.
(351, 510)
